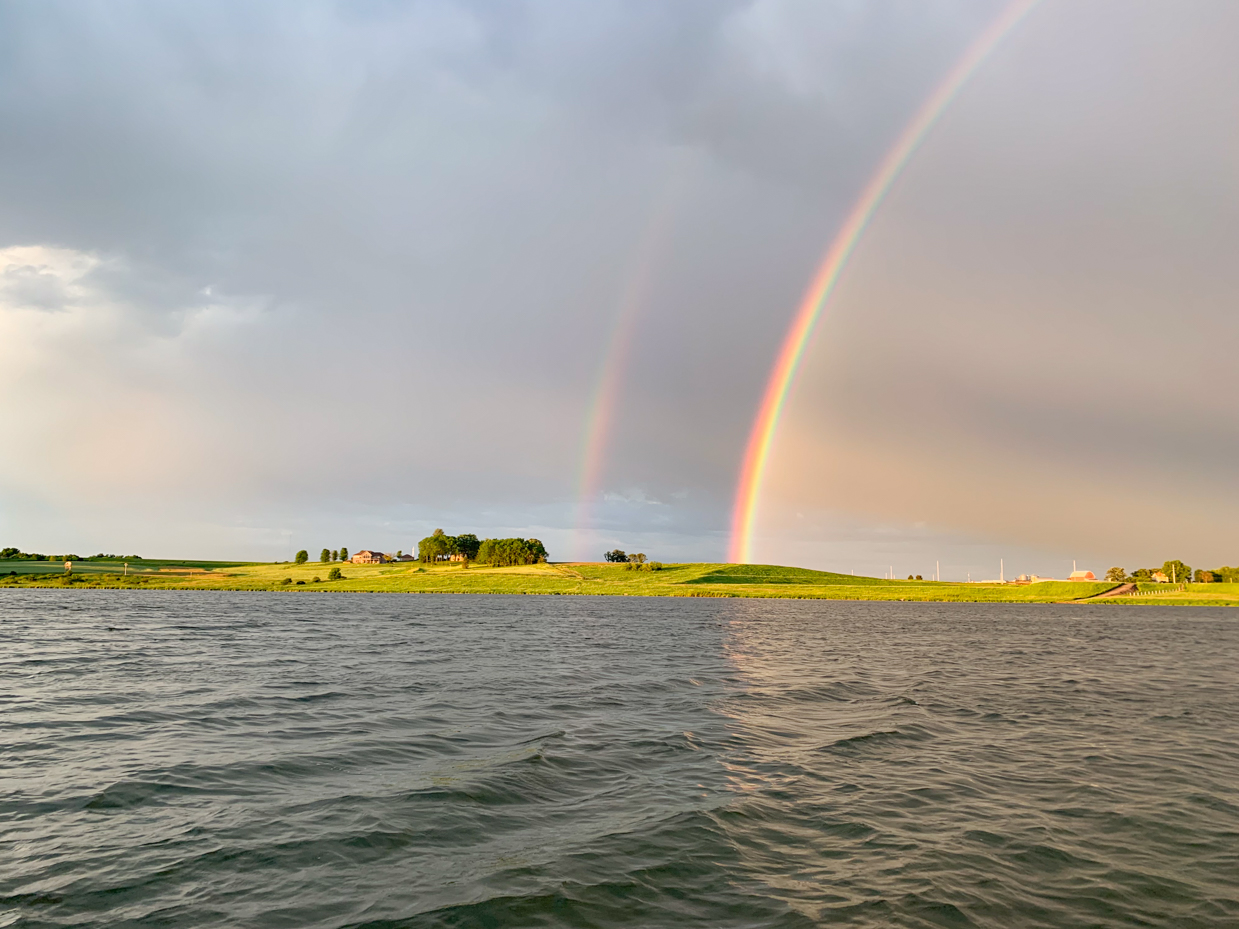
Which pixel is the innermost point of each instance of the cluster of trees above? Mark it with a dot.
(1176, 572)
(636, 562)
(442, 547)
(328, 555)
(16, 554)
(511, 552)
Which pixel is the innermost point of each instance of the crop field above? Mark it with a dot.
(675, 580)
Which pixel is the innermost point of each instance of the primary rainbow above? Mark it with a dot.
(748, 490)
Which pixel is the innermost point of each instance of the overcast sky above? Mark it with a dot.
(301, 274)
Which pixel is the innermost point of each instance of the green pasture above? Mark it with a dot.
(675, 580)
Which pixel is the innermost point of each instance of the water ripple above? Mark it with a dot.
(252, 760)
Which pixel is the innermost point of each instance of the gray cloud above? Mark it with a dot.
(352, 267)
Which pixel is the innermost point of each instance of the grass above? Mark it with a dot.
(678, 580)
(141, 566)
(1152, 594)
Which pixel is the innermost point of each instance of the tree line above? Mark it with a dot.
(16, 554)
(635, 562)
(1176, 572)
(439, 546)
(327, 556)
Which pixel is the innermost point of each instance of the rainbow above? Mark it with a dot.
(604, 398)
(761, 437)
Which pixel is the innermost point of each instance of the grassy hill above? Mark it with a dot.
(682, 580)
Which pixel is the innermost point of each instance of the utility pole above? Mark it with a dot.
(1002, 577)
(937, 570)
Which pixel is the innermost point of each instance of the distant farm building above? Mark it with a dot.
(401, 558)
(1082, 576)
(365, 556)
(1161, 577)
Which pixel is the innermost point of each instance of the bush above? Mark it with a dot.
(316, 579)
(335, 575)
(286, 581)
(653, 566)
(301, 582)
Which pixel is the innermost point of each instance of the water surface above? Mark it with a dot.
(181, 759)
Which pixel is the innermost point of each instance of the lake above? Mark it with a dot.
(196, 759)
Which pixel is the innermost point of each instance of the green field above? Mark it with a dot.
(682, 580)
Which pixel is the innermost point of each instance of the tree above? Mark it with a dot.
(468, 545)
(1142, 574)
(334, 574)
(325, 556)
(1204, 577)
(302, 557)
(434, 547)
(1177, 571)
(616, 555)
(343, 553)
(335, 555)
(639, 558)
(1118, 575)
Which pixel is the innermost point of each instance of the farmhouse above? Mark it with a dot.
(365, 556)
(1082, 576)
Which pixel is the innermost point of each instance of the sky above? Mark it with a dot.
(317, 274)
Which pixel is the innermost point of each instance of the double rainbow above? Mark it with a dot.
(761, 437)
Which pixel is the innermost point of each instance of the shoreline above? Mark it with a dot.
(693, 580)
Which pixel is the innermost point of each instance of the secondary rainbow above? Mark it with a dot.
(605, 395)
(761, 437)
